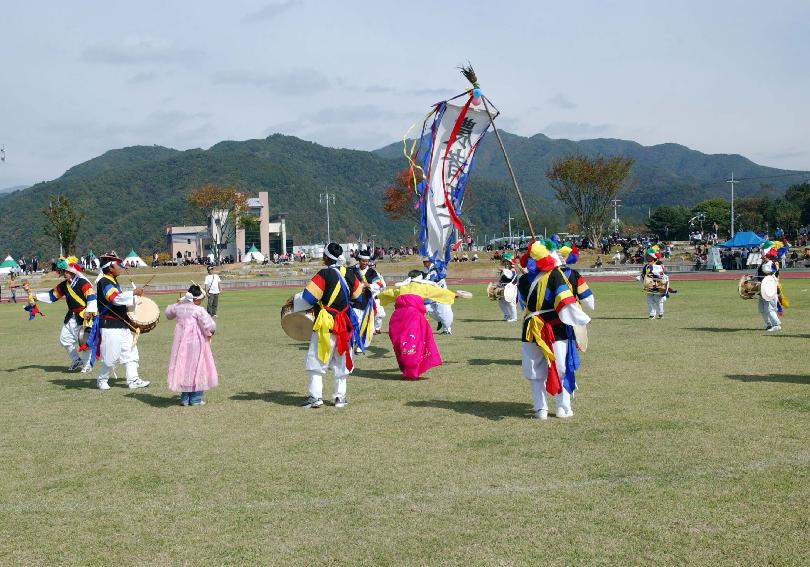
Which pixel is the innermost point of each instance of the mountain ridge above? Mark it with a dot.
(131, 194)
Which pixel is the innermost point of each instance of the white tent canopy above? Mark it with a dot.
(8, 265)
(253, 255)
(134, 261)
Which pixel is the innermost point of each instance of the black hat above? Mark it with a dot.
(333, 251)
(364, 254)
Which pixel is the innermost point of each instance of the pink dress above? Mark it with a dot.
(412, 337)
(191, 366)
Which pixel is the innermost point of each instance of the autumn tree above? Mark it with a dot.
(587, 186)
(226, 211)
(63, 223)
(400, 199)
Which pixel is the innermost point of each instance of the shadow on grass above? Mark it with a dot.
(477, 320)
(504, 339)
(76, 383)
(376, 352)
(44, 368)
(488, 361)
(394, 374)
(623, 318)
(153, 400)
(722, 329)
(784, 378)
(279, 397)
(494, 411)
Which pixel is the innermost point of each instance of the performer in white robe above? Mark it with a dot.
(507, 302)
(654, 269)
(117, 339)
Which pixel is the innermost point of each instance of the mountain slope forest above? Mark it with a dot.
(131, 195)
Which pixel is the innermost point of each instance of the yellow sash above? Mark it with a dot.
(535, 325)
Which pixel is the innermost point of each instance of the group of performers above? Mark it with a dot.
(96, 325)
(352, 301)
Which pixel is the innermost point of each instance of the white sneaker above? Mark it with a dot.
(102, 384)
(511, 320)
(340, 402)
(138, 383)
(775, 329)
(563, 412)
(541, 414)
(446, 331)
(87, 369)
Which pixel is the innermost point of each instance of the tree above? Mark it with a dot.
(226, 209)
(718, 212)
(799, 196)
(587, 186)
(670, 222)
(63, 223)
(400, 200)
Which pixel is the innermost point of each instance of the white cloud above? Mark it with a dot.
(137, 50)
(271, 11)
(294, 82)
(577, 130)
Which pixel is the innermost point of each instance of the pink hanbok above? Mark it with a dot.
(409, 331)
(191, 366)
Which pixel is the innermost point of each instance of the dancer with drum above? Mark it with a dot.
(117, 339)
(80, 297)
(655, 282)
(548, 349)
(334, 333)
(508, 299)
(767, 276)
(441, 312)
(365, 305)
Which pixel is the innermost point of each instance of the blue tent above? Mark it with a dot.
(743, 240)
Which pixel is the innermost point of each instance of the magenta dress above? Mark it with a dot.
(412, 337)
(191, 366)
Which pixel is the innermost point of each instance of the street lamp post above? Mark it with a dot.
(732, 182)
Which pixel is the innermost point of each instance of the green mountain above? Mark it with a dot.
(131, 195)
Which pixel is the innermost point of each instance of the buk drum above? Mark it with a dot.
(145, 315)
(748, 287)
(510, 293)
(653, 285)
(298, 324)
(769, 288)
(495, 291)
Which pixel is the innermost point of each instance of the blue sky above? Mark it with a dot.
(81, 77)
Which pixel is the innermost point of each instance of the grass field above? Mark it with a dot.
(690, 446)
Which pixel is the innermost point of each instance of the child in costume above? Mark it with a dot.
(409, 331)
(191, 366)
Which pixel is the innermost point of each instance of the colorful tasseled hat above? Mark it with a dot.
(653, 252)
(569, 253)
(541, 254)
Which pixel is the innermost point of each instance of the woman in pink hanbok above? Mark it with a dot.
(191, 366)
(409, 331)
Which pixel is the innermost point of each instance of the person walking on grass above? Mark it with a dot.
(191, 366)
(12, 285)
(212, 289)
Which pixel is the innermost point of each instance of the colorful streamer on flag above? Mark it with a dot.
(443, 157)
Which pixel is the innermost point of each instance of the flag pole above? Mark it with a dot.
(469, 74)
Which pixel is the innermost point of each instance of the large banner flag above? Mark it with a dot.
(441, 162)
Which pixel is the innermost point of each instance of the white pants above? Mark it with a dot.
(535, 370)
(509, 309)
(379, 316)
(316, 369)
(116, 346)
(655, 304)
(69, 339)
(769, 313)
(441, 312)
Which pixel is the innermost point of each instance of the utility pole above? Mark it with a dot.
(325, 198)
(510, 218)
(732, 201)
(616, 206)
